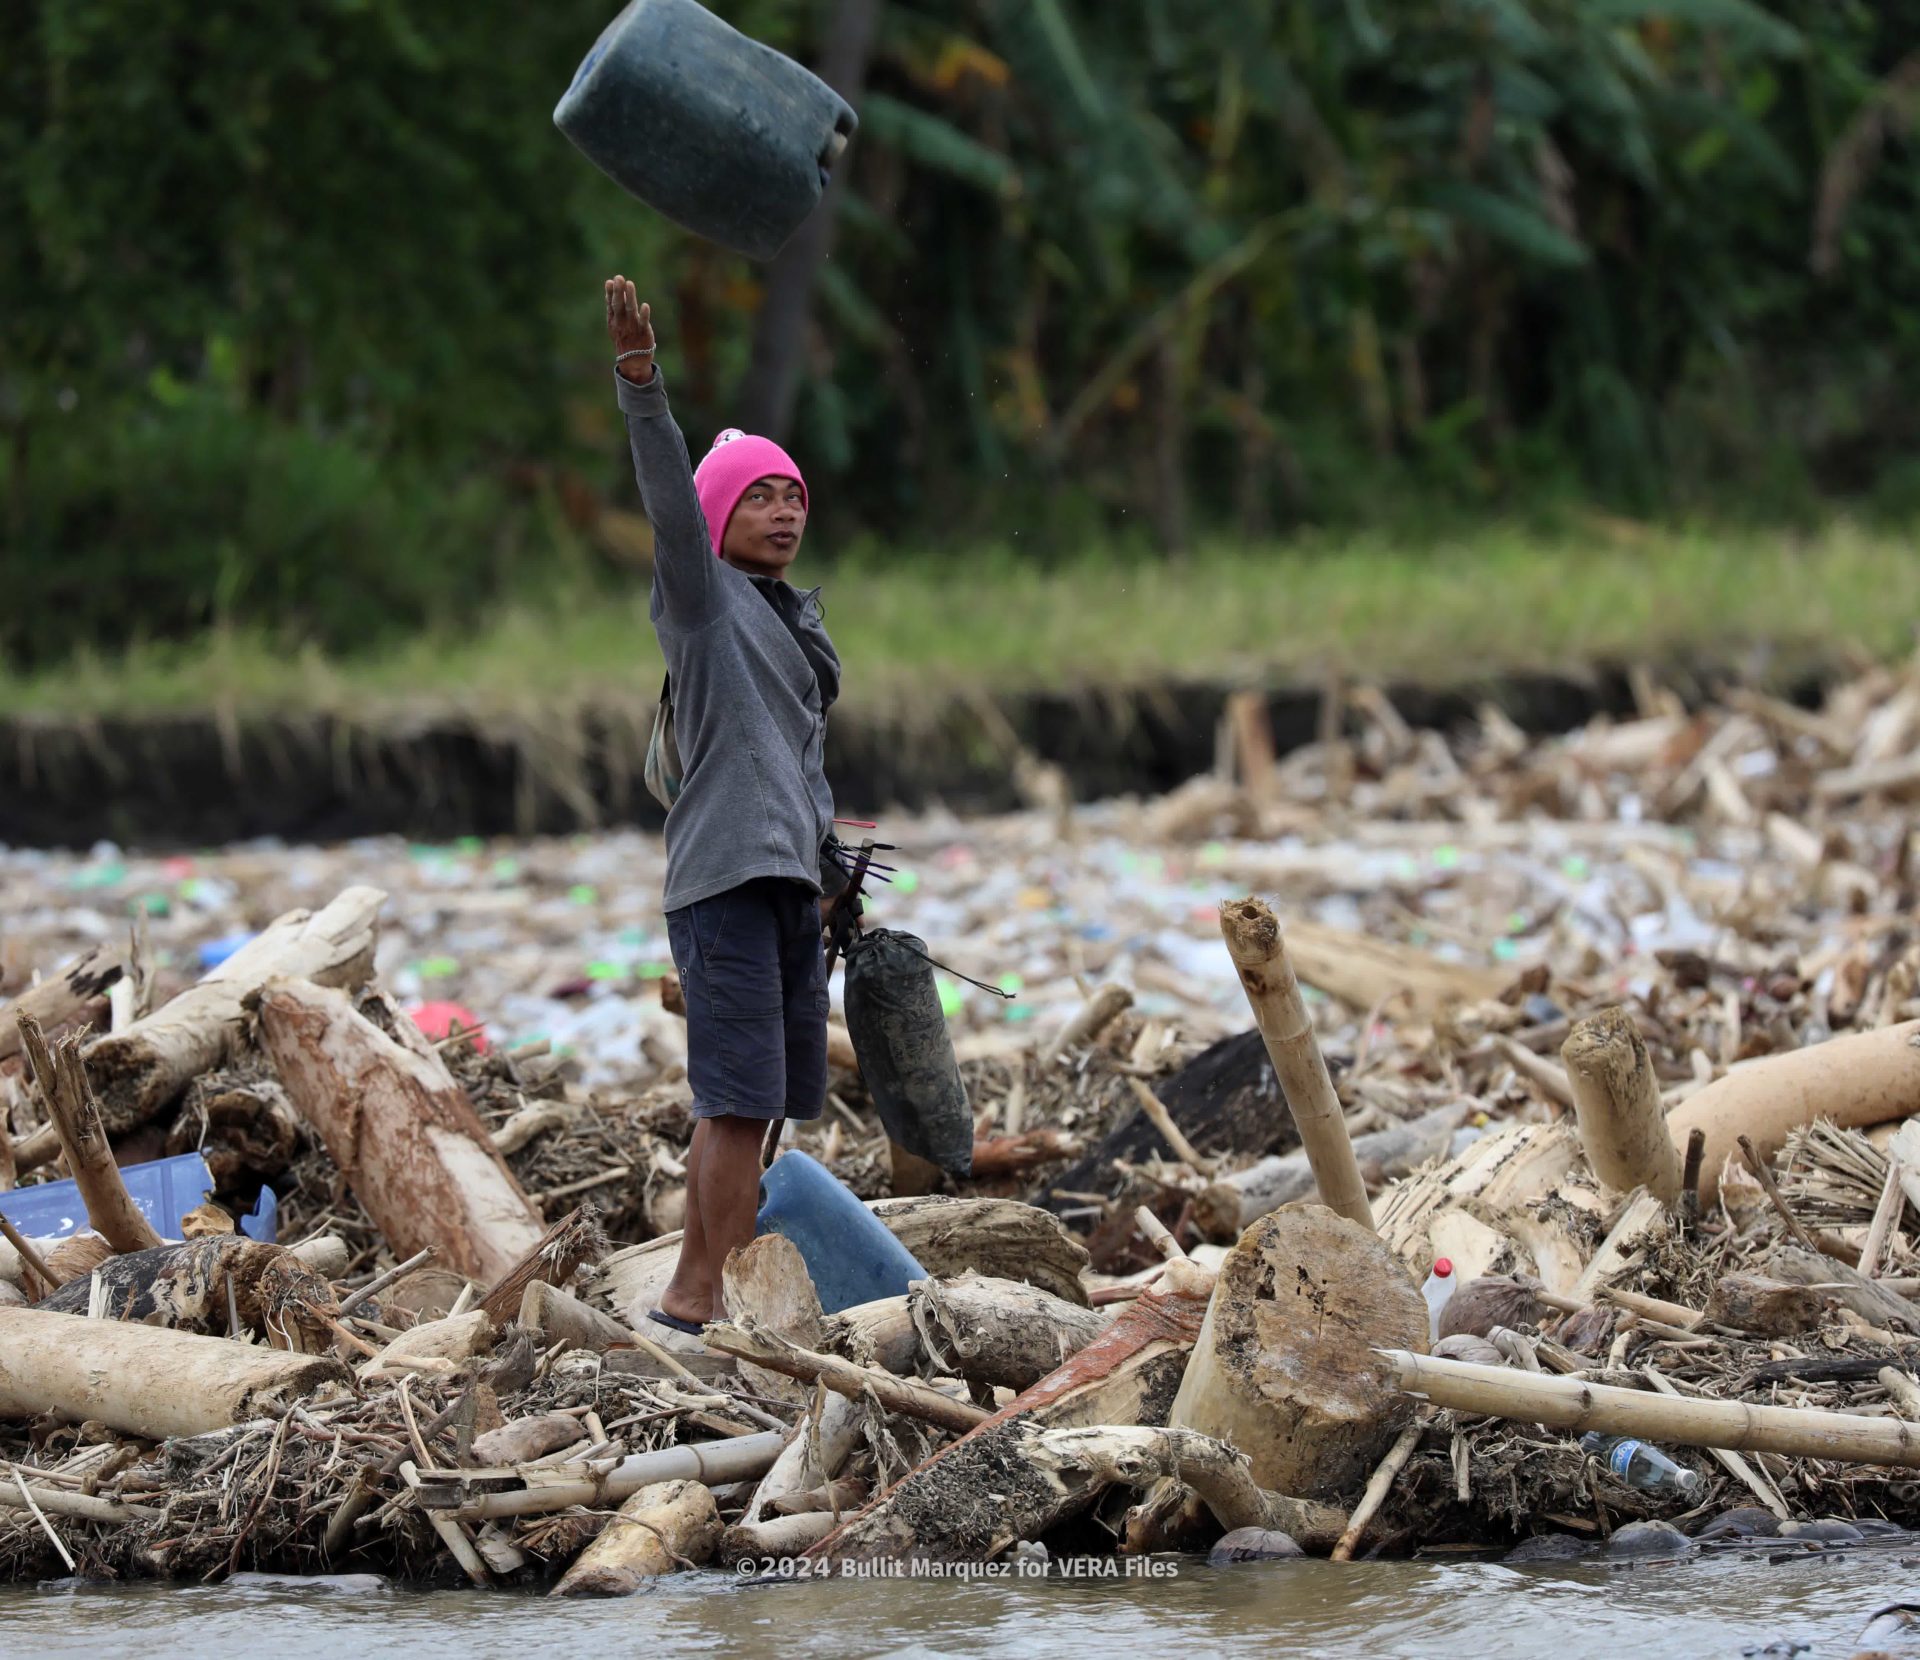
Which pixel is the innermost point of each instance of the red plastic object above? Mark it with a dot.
(436, 1021)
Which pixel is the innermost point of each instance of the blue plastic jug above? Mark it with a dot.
(721, 134)
(165, 1190)
(847, 1249)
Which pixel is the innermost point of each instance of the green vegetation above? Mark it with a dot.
(300, 321)
(913, 632)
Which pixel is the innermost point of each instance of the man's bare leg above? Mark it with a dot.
(690, 1293)
(729, 1194)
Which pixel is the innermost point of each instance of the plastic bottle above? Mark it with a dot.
(1641, 1466)
(721, 134)
(1437, 1290)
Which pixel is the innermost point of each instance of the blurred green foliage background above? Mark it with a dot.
(300, 315)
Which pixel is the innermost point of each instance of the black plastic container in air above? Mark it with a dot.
(906, 1056)
(721, 134)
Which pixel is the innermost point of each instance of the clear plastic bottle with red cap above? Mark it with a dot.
(1437, 1290)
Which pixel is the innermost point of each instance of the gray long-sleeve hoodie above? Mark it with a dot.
(749, 699)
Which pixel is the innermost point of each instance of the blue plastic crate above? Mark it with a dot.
(165, 1190)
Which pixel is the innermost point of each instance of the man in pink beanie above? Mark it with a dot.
(752, 675)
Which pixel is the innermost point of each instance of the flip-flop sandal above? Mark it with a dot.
(673, 1322)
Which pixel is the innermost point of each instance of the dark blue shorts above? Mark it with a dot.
(755, 977)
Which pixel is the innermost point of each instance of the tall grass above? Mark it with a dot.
(1468, 606)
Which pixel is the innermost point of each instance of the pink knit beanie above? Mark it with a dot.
(735, 461)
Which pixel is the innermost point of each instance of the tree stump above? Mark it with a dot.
(1285, 1367)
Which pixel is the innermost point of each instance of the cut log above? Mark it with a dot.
(1001, 1238)
(1234, 1203)
(999, 1332)
(954, 1507)
(1286, 1367)
(766, 1287)
(555, 1316)
(562, 1251)
(780, 1537)
(1574, 1404)
(1616, 1097)
(144, 1380)
(672, 1524)
(62, 1081)
(75, 995)
(401, 1131)
(1861, 1079)
(526, 1439)
(326, 1254)
(880, 1333)
(204, 1285)
(144, 1069)
(1259, 952)
(244, 1127)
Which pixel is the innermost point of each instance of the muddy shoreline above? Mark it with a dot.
(435, 772)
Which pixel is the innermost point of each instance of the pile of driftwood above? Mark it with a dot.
(1662, 1137)
(489, 1405)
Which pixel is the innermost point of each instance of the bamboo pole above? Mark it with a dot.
(717, 1463)
(1259, 952)
(1570, 1403)
(1616, 1098)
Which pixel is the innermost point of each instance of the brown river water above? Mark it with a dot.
(1390, 1610)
